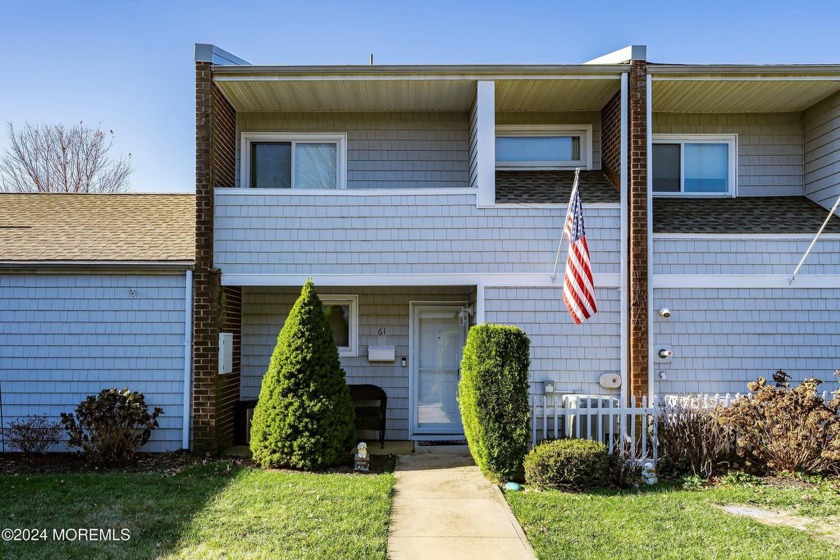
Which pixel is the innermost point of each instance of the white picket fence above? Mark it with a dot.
(631, 429)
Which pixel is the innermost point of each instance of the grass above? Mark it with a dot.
(215, 511)
(669, 522)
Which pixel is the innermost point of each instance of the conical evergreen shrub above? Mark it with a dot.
(304, 417)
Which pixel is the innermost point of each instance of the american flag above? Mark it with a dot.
(578, 286)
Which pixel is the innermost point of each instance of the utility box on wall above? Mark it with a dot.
(225, 353)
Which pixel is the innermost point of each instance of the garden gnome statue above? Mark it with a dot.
(649, 474)
(361, 460)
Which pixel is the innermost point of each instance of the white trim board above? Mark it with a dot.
(598, 74)
(186, 441)
(490, 280)
(746, 236)
(224, 191)
(660, 281)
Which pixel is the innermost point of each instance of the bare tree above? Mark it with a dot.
(54, 158)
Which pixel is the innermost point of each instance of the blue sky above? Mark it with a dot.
(128, 64)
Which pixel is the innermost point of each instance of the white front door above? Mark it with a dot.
(437, 344)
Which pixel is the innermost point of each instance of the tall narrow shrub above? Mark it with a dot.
(493, 396)
(304, 416)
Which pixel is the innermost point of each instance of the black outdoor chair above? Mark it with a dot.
(370, 403)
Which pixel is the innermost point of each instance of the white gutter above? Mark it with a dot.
(188, 326)
(624, 242)
(97, 265)
(649, 212)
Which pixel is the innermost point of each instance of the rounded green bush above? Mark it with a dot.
(304, 417)
(493, 396)
(568, 463)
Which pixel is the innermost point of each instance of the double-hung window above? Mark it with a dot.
(543, 147)
(294, 160)
(694, 165)
(343, 316)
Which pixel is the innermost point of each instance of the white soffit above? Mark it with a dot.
(356, 95)
(589, 94)
(716, 94)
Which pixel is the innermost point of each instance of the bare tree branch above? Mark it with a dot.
(54, 158)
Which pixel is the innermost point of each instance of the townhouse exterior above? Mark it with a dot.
(424, 199)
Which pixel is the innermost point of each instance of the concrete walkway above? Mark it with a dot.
(445, 508)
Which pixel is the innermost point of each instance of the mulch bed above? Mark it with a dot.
(158, 463)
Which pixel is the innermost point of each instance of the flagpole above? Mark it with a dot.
(562, 235)
(811, 246)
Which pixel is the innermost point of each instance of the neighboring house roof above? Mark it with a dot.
(553, 187)
(97, 227)
(773, 214)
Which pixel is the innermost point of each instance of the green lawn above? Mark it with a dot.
(214, 511)
(669, 522)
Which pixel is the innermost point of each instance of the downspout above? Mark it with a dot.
(188, 327)
(624, 244)
(649, 221)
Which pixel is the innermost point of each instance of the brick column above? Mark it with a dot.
(215, 147)
(638, 220)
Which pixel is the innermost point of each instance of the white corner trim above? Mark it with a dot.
(649, 228)
(533, 280)
(624, 244)
(339, 138)
(188, 327)
(479, 304)
(745, 281)
(485, 123)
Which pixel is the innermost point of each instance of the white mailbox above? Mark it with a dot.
(225, 353)
(381, 353)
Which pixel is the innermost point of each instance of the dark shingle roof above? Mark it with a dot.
(776, 214)
(97, 227)
(553, 186)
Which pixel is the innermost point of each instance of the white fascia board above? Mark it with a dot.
(733, 281)
(631, 52)
(530, 280)
(123, 267)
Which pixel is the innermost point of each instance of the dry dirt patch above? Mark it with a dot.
(825, 528)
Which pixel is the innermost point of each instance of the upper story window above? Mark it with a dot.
(543, 147)
(343, 316)
(294, 160)
(696, 164)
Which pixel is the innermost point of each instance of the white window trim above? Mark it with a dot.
(535, 130)
(340, 138)
(351, 351)
(730, 139)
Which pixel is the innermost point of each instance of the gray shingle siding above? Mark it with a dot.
(770, 147)
(396, 234)
(822, 151)
(63, 337)
(265, 309)
(710, 255)
(384, 150)
(724, 338)
(575, 356)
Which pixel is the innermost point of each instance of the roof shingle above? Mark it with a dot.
(553, 187)
(97, 227)
(766, 214)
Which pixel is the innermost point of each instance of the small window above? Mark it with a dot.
(543, 147)
(342, 315)
(293, 161)
(699, 165)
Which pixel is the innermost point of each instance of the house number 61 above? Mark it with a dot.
(381, 332)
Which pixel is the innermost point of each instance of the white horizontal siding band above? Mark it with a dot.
(744, 281)
(221, 192)
(531, 280)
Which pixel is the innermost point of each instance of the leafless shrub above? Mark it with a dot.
(34, 435)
